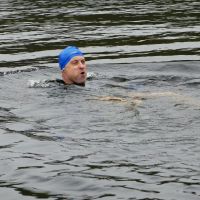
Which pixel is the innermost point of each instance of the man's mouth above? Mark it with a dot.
(82, 73)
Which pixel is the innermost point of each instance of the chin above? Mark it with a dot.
(80, 84)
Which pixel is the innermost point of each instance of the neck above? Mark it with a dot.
(67, 81)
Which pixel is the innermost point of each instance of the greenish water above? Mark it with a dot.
(59, 142)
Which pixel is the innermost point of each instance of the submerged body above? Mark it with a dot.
(136, 98)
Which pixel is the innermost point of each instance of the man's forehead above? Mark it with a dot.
(77, 58)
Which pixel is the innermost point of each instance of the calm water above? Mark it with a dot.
(67, 143)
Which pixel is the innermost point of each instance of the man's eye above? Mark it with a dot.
(83, 61)
(74, 62)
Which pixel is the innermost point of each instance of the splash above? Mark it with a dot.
(7, 71)
(38, 83)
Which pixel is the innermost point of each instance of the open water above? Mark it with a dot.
(68, 142)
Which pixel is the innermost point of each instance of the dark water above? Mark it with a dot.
(59, 142)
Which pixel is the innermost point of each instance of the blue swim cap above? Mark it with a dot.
(67, 54)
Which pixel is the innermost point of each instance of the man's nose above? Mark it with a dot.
(81, 65)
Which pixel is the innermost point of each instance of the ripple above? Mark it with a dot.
(58, 143)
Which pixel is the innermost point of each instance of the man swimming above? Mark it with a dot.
(73, 66)
(74, 71)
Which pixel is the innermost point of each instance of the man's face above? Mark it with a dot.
(76, 70)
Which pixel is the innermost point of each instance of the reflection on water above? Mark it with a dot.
(66, 142)
(34, 32)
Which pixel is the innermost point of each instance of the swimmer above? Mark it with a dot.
(73, 66)
(74, 71)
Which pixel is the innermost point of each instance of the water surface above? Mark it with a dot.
(63, 142)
